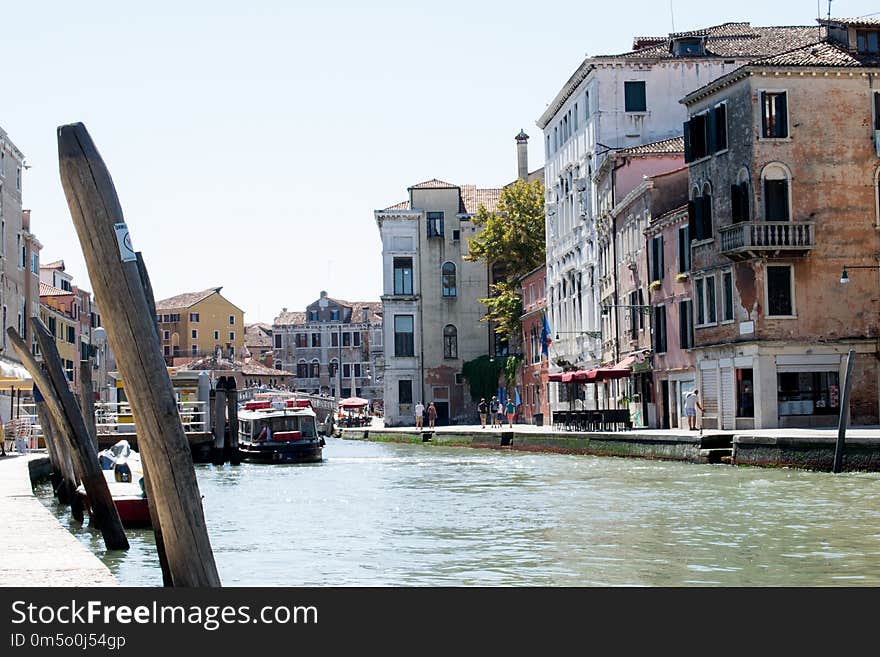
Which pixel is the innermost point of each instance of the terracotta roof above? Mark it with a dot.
(726, 41)
(47, 290)
(472, 198)
(291, 317)
(403, 205)
(433, 184)
(821, 53)
(258, 335)
(732, 40)
(673, 146)
(186, 300)
(252, 367)
(864, 21)
(58, 264)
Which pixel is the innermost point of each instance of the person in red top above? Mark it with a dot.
(432, 414)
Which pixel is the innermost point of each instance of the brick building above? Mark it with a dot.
(783, 168)
(535, 400)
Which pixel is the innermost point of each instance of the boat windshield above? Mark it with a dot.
(303, 424)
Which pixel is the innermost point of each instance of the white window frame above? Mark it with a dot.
(720, 297)
(767, 291)
(194, 334)
(760, 104)
(704, 299)
(775, 165)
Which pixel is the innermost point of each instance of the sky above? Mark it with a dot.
(251, 142)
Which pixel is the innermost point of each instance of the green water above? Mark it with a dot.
(377, 514)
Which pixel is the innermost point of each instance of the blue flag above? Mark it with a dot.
(545, 337)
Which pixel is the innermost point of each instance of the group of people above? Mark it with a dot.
(420, 415)
(495, 410)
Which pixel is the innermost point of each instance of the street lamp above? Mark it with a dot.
(844, 275)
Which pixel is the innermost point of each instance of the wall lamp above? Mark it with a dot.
(844, 275)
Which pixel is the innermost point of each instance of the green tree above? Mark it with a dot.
(511, 241)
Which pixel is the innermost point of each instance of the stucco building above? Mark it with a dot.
(200, 324)
(784, 171)
(335, 347)
(535, 406)
(609, 103)
(431, 299)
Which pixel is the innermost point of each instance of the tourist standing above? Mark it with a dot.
(511, 411)
(691, 404)
(499, 414)
(481, 409)
(420, 412)
(432, 414)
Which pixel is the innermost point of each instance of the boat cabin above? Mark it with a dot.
(263, 421)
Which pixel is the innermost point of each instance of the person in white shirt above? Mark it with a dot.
(420, 412)
(691, 404)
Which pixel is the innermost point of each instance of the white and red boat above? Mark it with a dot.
(279, 431)
(122, 469)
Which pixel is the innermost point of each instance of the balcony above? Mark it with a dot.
(771, 239)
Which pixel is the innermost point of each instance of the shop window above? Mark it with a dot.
(808, 393)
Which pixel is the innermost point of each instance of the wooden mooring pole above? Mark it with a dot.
(64, 476)
(68, 419)
(232, 415)
(219, 421)
(116, 281)
(87, 400)
(843, 418)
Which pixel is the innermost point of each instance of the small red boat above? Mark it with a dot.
(122, 469)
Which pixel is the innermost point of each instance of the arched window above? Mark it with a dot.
(447, 279)
(877, 193)
(316, 369)
(450, 341)
(334, 365)
(776, 183)
(302, 369)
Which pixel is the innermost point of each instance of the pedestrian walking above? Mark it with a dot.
(481, 409)
(420, 412)
(432, 414)
(511, 411)
(499, 414)
(691, 404)
(493, 409)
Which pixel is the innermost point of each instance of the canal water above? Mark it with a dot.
(377, 514)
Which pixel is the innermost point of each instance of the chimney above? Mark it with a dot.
(522, 155)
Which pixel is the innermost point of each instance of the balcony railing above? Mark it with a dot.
(750, 238)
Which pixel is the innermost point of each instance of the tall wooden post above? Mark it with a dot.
(232, 414)
(66, 414)
(219, 422)
(843, 419)
(65, 486)
(113, 272)
(87, 400)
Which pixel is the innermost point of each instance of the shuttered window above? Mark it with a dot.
(660, 329)
(634, 97)
(776, 200)
(685, 325)
(684, 250)
(774, 114)
(657, 258)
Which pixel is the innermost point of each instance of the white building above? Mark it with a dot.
(430, 299)
(612, 102)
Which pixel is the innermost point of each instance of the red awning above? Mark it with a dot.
(556, 376)
(620, 370)
(577, 376)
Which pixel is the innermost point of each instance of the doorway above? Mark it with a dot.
(442, 413)
(667, 411)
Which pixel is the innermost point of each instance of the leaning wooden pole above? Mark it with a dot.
(67, 417)
(232, 414)
(66, 483)
(148, 483)
(219, 422)
(87, 400)
(113, 272)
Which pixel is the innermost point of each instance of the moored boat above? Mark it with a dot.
(122, 469)
(279, 432)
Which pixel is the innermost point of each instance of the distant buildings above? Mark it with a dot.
(335, 347)
(535, 404)
(198, 324)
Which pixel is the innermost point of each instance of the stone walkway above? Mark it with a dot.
(35, 550)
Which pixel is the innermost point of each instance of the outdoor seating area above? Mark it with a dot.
(613, 419)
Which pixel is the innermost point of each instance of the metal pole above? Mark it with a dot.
(844, 413)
